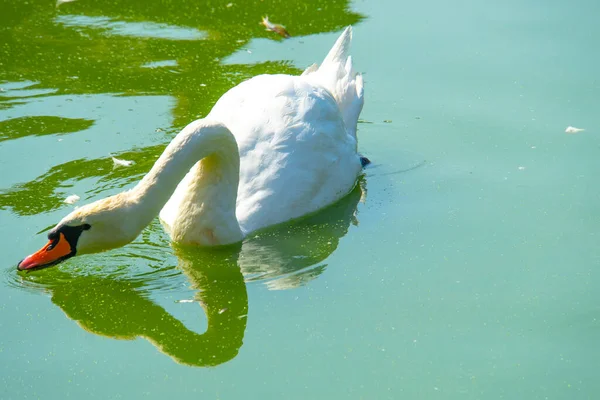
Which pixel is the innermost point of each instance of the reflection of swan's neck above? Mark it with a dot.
(126, 310)
(206, 214)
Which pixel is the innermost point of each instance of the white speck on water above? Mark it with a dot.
(185, 301)
(124, 163)
(572, 129)
(160, 64)
(521, 168)
(59, 2)
(72, 199)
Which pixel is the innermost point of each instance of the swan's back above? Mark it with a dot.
(296, 155)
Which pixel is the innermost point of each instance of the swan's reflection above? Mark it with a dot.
(122, 309)
(291, 255)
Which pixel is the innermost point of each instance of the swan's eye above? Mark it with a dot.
(53, 237)
(71, 234)
(51, 245)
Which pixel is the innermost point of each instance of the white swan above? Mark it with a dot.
(273, 148)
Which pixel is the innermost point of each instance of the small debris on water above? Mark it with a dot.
(521, 168)
(572, 129)
(277, 28)
(72, 199)
(184, 301)
(387, 121)
(124, 163)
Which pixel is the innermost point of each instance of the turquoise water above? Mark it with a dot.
(463, 267)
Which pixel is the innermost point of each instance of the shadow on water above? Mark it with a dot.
(117, 307)
(38, 126)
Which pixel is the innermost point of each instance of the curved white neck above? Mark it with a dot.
(206, 214)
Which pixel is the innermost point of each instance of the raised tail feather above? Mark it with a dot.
(337, 75)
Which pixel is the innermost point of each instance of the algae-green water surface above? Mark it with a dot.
(464, 265)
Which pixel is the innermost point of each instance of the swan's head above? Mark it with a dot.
(102, 225)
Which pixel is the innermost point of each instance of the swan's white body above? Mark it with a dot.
(273, 148)
(296, 137)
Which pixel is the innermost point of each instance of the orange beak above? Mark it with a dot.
(50, 254)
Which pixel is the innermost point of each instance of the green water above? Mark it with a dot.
(465, 266)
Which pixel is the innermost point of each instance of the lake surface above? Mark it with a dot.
(464, 266)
